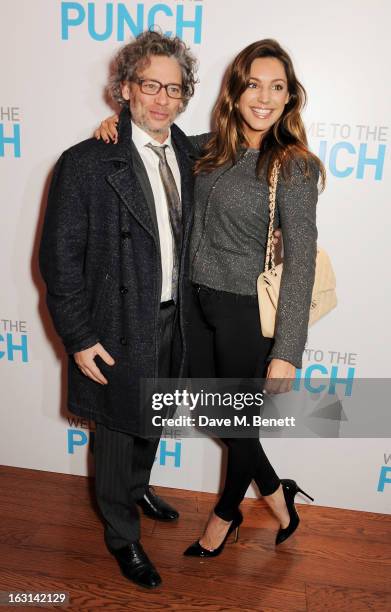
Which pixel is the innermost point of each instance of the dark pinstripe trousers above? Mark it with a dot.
(123, 462)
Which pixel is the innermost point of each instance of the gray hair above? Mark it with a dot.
(135, 56)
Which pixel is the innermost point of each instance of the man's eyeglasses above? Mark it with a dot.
(152, 88)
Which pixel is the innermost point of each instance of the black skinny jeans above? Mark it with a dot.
(225, 341)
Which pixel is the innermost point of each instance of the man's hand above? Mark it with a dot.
(108, 129)
(86, 364)
(279, 377)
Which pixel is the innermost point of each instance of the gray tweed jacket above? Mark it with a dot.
(229, 237)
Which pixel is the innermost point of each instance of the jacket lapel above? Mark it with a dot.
(186, 158)
(129, 179)
(145, 185)
(127, 186)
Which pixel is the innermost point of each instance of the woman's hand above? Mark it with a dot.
(108, 129)
(278, 244)
(279, 377)
(277, 235)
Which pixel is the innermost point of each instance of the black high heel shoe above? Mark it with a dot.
(290, 488)
(196, 550)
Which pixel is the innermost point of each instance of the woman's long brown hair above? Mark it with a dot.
(285, 141)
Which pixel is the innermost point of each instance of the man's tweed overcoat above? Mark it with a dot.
(100, 259)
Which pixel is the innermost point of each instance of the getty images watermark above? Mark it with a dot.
(314, 407)
(203, 399)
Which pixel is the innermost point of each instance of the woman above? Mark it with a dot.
(257, 122)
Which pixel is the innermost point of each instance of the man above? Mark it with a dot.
(114, 256)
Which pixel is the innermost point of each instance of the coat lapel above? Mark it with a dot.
(145, 185)
(186, 157)
(129, 178)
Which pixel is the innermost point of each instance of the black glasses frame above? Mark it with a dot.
(141, 81)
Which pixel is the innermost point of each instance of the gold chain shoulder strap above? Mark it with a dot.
(272, 207)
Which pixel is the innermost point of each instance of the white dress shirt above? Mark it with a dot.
(151, 163)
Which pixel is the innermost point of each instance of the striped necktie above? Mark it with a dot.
(174, 208)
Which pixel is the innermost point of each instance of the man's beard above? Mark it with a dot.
(161, 130)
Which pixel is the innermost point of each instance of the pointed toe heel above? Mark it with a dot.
(290, 489)
(196, 550)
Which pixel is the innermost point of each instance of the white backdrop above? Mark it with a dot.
(55, 58)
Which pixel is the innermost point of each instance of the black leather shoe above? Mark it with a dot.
(155, 507)
(136, 566)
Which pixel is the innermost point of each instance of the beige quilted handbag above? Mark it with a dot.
(324, 296)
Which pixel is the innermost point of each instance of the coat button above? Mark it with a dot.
(123, 290)
(123, 341)
(125, 235)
